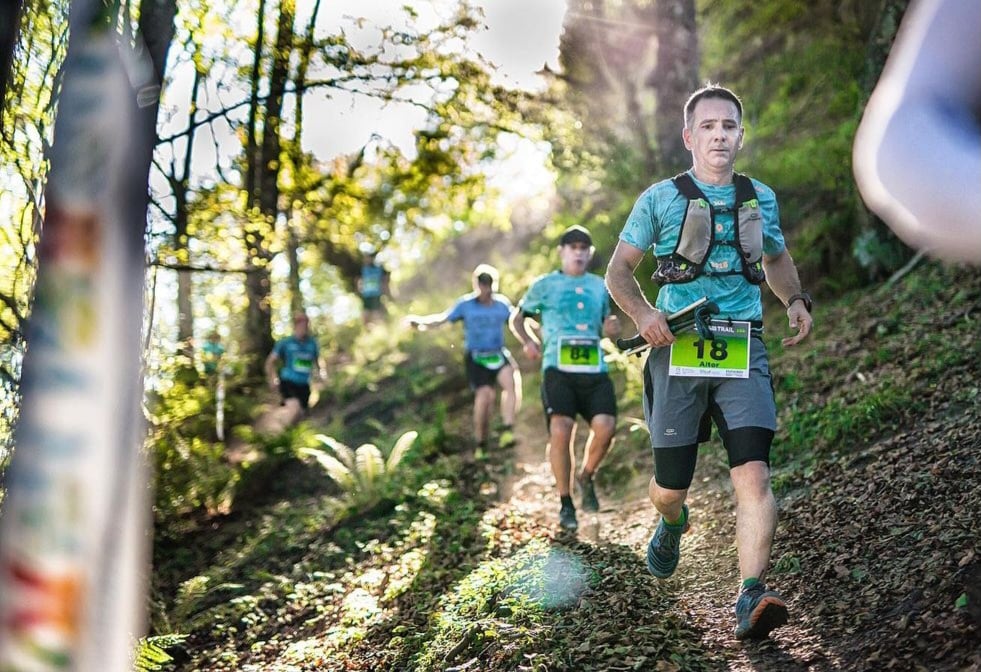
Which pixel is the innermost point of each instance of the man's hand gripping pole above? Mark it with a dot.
(697, 314)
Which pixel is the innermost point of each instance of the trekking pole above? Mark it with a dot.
(696, 314)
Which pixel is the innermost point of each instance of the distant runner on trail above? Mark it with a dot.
(573, 309)
(291, 364)
(484, 313)
(372, 286)
(928, 190)
(211, 352)
(713, 232)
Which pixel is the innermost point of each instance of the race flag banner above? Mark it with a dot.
(73, 531)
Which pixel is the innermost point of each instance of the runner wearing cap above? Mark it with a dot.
(572, 308)
(484, 314)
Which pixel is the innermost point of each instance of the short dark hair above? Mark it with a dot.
(485, 279)
(575, 234)
(711, 91)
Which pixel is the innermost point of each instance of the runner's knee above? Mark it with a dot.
(603, 424)
(665, 496)
(561, 425)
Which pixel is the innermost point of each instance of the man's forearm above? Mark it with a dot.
(625, 290)
(781, 276)
(518, 328)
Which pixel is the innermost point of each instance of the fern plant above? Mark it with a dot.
(363, 474)
(151, 655)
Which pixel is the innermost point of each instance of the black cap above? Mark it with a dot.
(575, 234)
(485, 279)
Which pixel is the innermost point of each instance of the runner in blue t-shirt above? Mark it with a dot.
(714, 233)
(484, 314)
(291, 364)
(572, 309)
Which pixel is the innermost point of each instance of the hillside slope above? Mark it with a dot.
(878, 548)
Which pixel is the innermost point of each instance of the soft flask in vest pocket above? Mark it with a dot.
(696, 238)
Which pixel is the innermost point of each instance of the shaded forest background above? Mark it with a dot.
(247, 222)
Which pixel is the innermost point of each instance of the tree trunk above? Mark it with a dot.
(264, 201)
(299, 164)
(880, 43)
(674, 78)
(185, 288)
(9, 25)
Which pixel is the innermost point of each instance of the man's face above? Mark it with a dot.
(715, 134)
(575, 257)
(301, 327)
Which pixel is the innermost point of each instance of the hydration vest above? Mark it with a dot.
(697, 235)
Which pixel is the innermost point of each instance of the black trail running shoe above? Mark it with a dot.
(589, 501)
(567, 517)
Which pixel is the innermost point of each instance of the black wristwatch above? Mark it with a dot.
(803, 296)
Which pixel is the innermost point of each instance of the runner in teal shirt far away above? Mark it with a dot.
(291, 364)
(572, 309)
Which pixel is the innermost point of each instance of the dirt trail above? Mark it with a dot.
(825, 632)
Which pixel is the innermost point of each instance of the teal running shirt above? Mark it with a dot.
(371, 280)
(655, 222)
(298, 359)
(571, 310)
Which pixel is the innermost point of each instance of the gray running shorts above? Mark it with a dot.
(676, 406)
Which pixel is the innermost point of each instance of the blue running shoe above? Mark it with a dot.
(664, 551)
(758, 611)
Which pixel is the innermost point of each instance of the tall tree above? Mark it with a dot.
(674, 78)
(263, 202)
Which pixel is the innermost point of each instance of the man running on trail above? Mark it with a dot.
(297, 357)
(484, 314)
(714, 233)
(372, 286)
(573, 309)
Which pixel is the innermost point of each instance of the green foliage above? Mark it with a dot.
(886, 358)
(151, 655)
(191, 472)
(800, 70)
(505, 601)
(364, 475)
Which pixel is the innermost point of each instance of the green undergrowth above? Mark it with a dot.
(421, 568)
(879, 361)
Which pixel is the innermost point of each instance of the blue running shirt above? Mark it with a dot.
(483, 325)
(567, 306)
(298, 357)
(655, 221)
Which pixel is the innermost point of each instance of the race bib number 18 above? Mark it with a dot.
(725, 356)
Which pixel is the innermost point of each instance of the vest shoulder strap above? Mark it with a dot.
(684, 184)
(745, 191)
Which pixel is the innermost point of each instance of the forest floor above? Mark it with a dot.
(877, 470)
